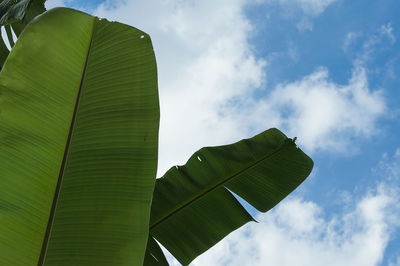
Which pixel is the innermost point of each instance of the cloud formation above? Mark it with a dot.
(213, 88)
(205, 65)
(309, 7)
(303, 11)
(370, 45)
(326, 115)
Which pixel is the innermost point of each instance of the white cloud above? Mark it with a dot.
(387, 30)
(208, 75)
(326, 115)
(322, 114)
(350, 39)
(367, 49)
(293, 52)
(49, 4)
(374, 43)
(301, 10)
(205, 64)
(309, 7)
(389, 166)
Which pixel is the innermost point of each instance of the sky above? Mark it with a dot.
(325, 71)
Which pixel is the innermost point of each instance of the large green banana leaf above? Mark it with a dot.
(193, 207)
(79, 118)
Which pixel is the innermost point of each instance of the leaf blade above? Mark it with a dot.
(116, 137)
(31, 156)
(204, 180)
(101, 216)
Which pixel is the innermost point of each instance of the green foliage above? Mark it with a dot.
(79, 117)
(19, 13)
(79, 135)
(15, 15)
(262, 170)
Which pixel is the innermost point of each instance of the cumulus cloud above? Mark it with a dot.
(326, 115)
(213, 90)
(205, 64)
(323, 115)
(212, 86)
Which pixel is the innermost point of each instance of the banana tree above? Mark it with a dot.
(79, 118)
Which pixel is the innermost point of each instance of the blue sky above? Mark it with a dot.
(325, 71)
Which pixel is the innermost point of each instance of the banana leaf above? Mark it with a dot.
(79, 118)
(193, 205)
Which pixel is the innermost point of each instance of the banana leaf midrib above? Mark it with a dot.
(205, 192)
(66, 150)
